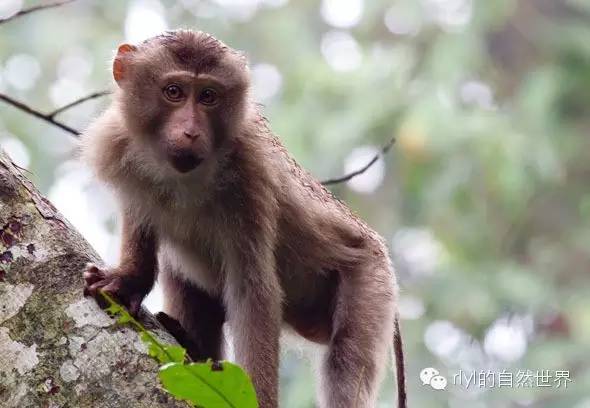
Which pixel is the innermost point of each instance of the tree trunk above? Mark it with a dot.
(57, 348)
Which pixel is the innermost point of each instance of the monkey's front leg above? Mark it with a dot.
(253, 303)
(132, 280)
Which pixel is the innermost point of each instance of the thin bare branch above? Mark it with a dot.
(77, 102)
(366, 167)
(50, 118)
(35, 8)
(40, 115)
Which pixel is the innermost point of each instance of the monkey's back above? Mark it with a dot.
(319, 240)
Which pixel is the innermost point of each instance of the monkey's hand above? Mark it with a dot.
(128, 289)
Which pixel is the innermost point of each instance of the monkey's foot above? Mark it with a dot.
(127, 289)
(174, 327)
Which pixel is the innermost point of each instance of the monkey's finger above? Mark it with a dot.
(93, 272)
(115, 291)
(92, 277)
(112, 290)
(93, 289)
(90, 267)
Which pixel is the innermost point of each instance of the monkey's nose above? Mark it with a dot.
(191, 135)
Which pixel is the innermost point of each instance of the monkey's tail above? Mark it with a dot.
(400, 370)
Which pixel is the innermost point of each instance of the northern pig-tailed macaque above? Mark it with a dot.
(235, 231)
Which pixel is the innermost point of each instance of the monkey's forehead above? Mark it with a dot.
(194, 50)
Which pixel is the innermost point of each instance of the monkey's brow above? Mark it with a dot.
(180, 74)
(191, 76)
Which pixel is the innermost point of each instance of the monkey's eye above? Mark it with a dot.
(173, 93)
(208, 96)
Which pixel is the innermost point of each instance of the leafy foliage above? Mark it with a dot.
(208, 385)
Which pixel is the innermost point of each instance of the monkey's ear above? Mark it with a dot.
(120, 63)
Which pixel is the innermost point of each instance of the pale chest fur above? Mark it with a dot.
(188, 247)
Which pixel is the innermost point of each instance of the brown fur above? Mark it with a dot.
(247, 228)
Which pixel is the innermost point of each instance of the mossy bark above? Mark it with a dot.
(58, 349)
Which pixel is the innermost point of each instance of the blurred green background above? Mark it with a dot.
(484, 198)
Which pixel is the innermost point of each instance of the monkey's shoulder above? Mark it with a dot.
(312, 218)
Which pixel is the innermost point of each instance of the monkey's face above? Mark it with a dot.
(190, 122)
(183, 95)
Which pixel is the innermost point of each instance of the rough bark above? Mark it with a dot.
(58, 349)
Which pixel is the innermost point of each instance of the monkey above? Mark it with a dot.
(234, 230)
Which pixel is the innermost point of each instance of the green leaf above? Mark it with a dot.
(124, 318)
(162, 352)
(113, 309)
(177, 354)
(211, 385)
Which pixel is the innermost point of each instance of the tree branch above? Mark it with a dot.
(35, 8)
(366, 167)
(41, 261)
(77, 102)
(40, 115)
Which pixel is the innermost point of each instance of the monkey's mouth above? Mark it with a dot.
(184, 161)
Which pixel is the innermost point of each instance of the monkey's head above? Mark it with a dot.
(182, 94)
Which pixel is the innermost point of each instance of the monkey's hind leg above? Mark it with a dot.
(199, 315)
(362, 331)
